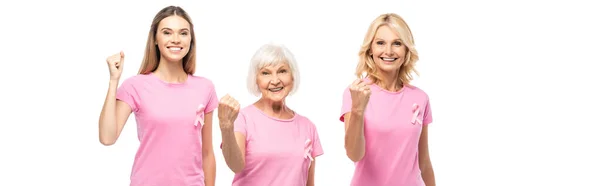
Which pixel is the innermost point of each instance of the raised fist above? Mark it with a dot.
(228, 111)
(115, 65)
(360, 94)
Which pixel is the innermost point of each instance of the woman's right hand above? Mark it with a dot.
(228, 111)
(360, 94)
(115, 65)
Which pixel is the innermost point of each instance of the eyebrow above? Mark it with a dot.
(280, 68)
(384, 39)
(183, 29)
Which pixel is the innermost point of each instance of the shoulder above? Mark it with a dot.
(304, 120)
(136, 79)
(201, 79)
(417, 92)
(247, 111)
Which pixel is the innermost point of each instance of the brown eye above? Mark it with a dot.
(397, 43)
(380, 42)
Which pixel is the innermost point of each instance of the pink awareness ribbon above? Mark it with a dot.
(415, 117)
(199, 115)
(308, 150)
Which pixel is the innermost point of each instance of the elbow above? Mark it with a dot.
(354, 154)
(355, 157)
(106, 142)
(237, 169)
(235, 165)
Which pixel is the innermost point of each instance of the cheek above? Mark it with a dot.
(262, 82)
(160, 39)
(288, 79)
(375, 50)
(401, 51)
(188, 41)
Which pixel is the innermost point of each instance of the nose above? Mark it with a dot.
(175, 39)
(275, 81)
(388, 50)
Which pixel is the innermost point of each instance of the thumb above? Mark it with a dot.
(122, 56)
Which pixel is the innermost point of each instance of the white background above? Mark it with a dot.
(513, 84)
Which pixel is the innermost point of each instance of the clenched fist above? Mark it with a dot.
(360, 94)
(228, 111)
(115, 65)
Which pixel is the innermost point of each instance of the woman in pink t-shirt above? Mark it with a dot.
(385, 117)
(267, 143)
(173, 108)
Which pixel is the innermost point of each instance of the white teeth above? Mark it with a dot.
(389, 59)
(175, 48)
(275, 89)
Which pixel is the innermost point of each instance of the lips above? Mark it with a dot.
(276, 89)
(175, 48)
(386, 59)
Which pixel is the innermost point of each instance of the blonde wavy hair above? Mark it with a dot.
(366, 62)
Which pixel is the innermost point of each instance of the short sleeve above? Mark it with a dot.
(317, 148)
(213, 100)
(126, 93)
(346, 104)
(239, 125)
(427, 117)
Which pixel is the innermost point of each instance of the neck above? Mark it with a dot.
(171, 71)
(389, 81)
(275, 109)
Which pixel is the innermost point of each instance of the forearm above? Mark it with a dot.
(355, 138)
(108, 121)
(231, 151)
(311, 175)
(428, 175)
(210, 169)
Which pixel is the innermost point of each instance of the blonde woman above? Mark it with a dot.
(385, 117)
(173, 107)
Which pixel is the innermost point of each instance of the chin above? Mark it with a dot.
(274, 98)
(388, 67)
(174, 58)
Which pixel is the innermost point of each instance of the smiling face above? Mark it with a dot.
(173, 38)
(387, 50)
(275, 81)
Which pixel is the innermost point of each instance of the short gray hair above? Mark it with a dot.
(271, 54)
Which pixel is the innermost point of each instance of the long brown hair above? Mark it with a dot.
(366, 62)
(152, 54)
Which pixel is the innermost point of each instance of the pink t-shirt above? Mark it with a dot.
(278, 151)
(391, 136)
(169, 119)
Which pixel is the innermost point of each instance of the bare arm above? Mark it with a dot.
(113, 117)
(234, 149)
(355, 138)
(424, 160)
(311, 174)
(209, 164)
